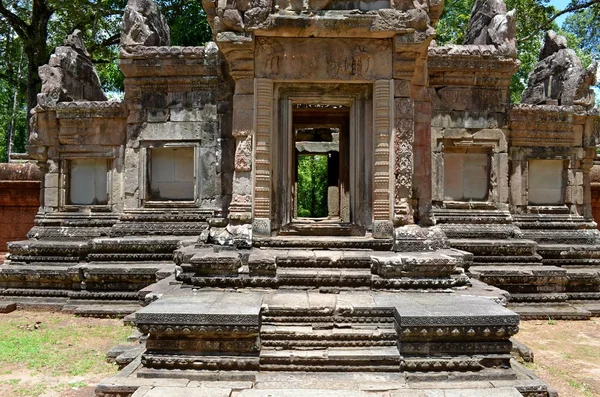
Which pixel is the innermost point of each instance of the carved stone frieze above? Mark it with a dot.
(323, 58)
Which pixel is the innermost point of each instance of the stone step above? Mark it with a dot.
(222, 362)
(294, 337)
(583, 280)
(538, 297)
(324, 277)
(159, 228)
(546, 311)
(553, 223)
(572, 263)
(523, 279)
(590, 306)
(134, 248)
(30, 260)
(372, 359)
(569, 251)
(537, 210)
(496, 248)
(507, 261)
(321, 258)
(583, 296)
(463, 231)
(565, 237)
(45, 277)
(112, 310)
(326, 242)
(419, 283)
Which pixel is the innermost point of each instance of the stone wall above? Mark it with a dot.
(595, 189)
(19, 201)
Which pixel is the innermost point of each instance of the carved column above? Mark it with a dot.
(403, 153)
(422, 154)
(243, 104)
(263, 119)
(591, 128)
(238, 49)
(383, 116)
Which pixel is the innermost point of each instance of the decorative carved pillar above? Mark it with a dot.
(263, 119)
(403, 153)
(422, 153)
(383, 116)
(591, 128)
(243, 119)
(238, 49)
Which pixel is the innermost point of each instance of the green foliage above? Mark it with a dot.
(187, 22)
(312, 186)
(454, 21)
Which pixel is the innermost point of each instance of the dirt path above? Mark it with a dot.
(567, 354)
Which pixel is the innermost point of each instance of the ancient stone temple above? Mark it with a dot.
(443, 201)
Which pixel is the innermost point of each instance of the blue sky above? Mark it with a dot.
(560, 5)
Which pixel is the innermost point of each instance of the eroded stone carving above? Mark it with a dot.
(143, 24)
(559, 78)
(70, 75)
(491, 24)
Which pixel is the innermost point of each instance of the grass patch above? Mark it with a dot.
(582, 387)
(58, 347)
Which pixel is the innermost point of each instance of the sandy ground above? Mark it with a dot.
(567, 356)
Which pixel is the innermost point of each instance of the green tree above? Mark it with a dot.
(312, 186)
(187, 21)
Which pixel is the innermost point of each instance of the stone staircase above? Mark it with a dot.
(207, 266)
(512, 252)
(488, 233)
(94, 263)
(319, 339)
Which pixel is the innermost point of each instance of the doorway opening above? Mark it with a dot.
(322, 162)
(320, 191)
(317, 193)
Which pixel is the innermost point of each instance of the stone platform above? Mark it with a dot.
(278, 341)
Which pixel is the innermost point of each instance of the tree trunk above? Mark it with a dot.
(36, 50)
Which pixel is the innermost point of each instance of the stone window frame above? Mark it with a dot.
(475, 149)
(144, 177)
(520, 157)
(484, 140)
(64, 183)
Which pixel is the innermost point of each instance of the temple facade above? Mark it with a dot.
(185, 195)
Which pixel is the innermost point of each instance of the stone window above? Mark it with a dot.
(546, 182)
(171, 173)
(88, 182)
(466, 176)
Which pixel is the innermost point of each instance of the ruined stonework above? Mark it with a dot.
(445, 203)
(559, 78)
(491, 24)
(69, 75)
(144, 25)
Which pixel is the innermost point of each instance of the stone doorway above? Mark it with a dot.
(331, 126)
(320, 193)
